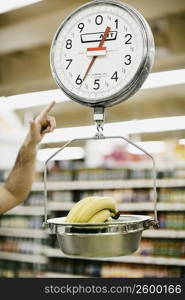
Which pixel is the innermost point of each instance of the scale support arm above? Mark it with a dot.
(97, 137)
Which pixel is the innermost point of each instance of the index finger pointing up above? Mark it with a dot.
(46, 110)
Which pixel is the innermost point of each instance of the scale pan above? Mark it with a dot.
(113, 238)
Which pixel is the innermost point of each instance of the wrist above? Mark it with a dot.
(30, 142)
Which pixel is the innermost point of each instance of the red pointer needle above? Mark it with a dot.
(94, 57)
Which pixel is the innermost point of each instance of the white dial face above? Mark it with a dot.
(98, 51)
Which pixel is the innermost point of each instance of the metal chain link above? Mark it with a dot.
(99, 133)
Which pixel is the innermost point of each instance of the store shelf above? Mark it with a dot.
(30, 258)
(168, 261)
(134, 206)
(164, 233)
(26, 211)
(60, 206)
(107, 184)
(61, 275)
(137, 259)
(148, 206)
(23, 233)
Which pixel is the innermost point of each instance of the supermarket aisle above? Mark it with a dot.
(154, 119)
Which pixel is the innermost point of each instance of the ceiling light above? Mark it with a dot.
(68, 153)
(182, 141)
(34, 99)
(118, 128)
(167, 78)
(8, 5)
(158, 79)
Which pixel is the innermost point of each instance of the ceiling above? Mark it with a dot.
(25, 39)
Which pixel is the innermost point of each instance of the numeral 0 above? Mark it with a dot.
(99, 20)
(68, 44)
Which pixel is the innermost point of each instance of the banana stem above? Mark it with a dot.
(115, 215)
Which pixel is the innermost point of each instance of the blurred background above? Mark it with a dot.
(154, 118)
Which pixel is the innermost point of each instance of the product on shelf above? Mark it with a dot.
(78, 171)
(132, 271)
(100, 174)
(61, 196)
(112, 174)
(109, 269)
(123, 195)
(55, 173)
(35, 199)
(34, 222)
(21, 245)
(172, 220)
(84, 267)
(162, 247)
(172, 195)
(10, 269)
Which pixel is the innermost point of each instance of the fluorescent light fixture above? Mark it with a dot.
(118, 128)
(150, 147)
(34, 99)
(167, 78)
(8, 5)
(28, 100)
(68, 153)
(65, 134)
(182, 141)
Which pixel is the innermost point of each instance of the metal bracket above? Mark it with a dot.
(99, 119)
(155, 221)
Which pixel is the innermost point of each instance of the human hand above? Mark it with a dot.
(43, 123)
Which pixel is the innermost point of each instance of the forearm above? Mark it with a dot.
(20, 179)
(19, 182)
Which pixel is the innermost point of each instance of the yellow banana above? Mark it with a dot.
(86, 208)
(71, 217)
(92, 207)
(101, 216)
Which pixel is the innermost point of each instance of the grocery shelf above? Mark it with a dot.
(164, 233)
(158, 260)
(60, 206)
(42, 234)
(64, 206)
(107, 184)
(26, 211)
(61, 275)
(127, 206)
(30, 258)
(23, 233)
(149, 206)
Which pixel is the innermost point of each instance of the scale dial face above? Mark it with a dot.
(102, 53)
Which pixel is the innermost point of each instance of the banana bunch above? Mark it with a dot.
(93, 210)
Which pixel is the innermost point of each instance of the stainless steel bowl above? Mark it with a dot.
(113, 238)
